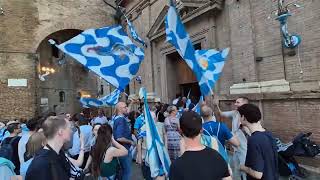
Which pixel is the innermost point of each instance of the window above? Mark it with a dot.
(61, 96)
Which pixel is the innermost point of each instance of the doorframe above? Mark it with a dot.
(164, 53)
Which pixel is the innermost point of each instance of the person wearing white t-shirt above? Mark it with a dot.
(101, 119)
(239, 156)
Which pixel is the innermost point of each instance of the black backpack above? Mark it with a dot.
(6, 150)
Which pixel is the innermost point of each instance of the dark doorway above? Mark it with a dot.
(194, 89)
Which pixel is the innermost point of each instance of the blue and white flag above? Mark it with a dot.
(197, 107)
(134, 33)
(211, 62)
(157, 155)
(108, 52)
(109, 100)
(206, 64)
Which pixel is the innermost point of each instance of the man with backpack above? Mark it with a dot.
(9, 146)
(198, 161)
(262, 157)
(217, 129)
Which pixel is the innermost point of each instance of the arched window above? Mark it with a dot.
(61, 96)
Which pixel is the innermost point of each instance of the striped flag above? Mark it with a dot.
(206, 64)
(109, 100)
(134, 33)
(157, 155)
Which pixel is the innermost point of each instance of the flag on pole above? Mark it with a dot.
(197, 108)
(108, 52)
(157, 155)
(206, 64)
(211, 62)
(109, 100)
(188, 99)
(134, 33)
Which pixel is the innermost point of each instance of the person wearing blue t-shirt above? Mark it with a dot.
(262, 157)
(138, 124)
(122, 134)
(218, 129)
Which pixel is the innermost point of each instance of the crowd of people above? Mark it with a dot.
(76, 147)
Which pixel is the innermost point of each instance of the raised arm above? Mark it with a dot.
(78, 162)
(118, 150)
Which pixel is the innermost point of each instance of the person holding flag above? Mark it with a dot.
(156, 156)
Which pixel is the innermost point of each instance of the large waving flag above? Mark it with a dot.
(206, 64)
(211, 62)
(157, 154)
(108, 52)
(109, 100)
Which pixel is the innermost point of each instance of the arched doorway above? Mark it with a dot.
(58, 92)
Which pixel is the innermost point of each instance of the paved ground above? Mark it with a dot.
(136, 174)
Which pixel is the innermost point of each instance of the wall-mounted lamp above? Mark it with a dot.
(46, 71)
(1, 11)
(86, 96)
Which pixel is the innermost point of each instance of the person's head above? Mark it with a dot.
(172, 110)
(250, 114)
(36, 142)
(82, 120)
(68, 116)
(241, 101)
(22, 120)
(100, 113)
(103, 142)
(57, 127)
(121, 108)
(133, 116)
(33, 123)
(95, 129)
(190, 124)
(14, 127)
(206, 112)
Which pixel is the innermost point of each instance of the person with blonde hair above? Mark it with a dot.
(36, 142)
(172, 138)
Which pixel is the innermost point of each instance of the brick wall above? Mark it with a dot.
(25, 24)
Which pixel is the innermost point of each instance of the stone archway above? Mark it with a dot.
(70, 77)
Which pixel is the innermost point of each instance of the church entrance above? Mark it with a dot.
(181, 79)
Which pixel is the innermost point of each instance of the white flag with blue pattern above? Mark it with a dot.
(134, 33)
(206, 64)
(197, 107)
(157, 155)
(108, 52)
(106, 101)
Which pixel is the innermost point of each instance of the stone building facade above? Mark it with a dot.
(25, 27)
(258, 66)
